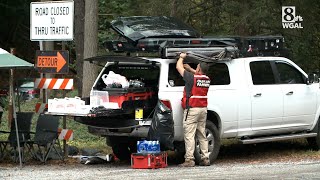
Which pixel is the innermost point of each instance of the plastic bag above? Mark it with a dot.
(162, 127)
(113, 78)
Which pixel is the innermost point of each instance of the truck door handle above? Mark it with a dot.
(289, 93)
(257, 95)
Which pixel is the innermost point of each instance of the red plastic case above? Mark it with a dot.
(149, 161)
(121, 95)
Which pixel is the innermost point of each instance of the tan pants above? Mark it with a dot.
(195, 125)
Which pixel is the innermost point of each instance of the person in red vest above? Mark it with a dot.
(194, 103)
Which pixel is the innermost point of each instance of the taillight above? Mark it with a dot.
(32, 92)
(195, 42)
(167, 103)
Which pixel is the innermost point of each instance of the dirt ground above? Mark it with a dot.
(283, 151)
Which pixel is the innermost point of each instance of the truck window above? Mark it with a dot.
(174, 78)
(289, 74)
(261, 73)
(218, 73)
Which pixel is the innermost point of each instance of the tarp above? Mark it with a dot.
(9, 61)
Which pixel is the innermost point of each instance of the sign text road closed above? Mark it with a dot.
(52, 61)
(51, 20)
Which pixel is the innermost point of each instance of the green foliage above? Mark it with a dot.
(4, 101)
(214, 18)
(231, 18)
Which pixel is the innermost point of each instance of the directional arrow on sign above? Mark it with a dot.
(54, 60)
(51, 61)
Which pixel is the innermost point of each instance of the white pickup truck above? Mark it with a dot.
(253, 99)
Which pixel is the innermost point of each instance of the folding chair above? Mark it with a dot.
(24, 120)
(46, 138)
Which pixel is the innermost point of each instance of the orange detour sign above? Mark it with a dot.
(52, 61)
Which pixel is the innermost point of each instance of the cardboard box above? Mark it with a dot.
(56, 105)
(72, 105)
(65, 105)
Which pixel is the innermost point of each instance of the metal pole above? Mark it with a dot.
(10, 106)
(42, 75)
(17, 133)
(65, 145)
(14, 115)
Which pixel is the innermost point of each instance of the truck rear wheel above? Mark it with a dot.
(314, 142)
(213, 137)
(122, 147)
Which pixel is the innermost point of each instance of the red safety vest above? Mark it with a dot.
(198, 96)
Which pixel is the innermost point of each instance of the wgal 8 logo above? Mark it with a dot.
(289, 18)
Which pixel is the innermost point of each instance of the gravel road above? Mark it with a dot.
(278, 160)
(288, 170)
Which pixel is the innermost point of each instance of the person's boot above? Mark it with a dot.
(205, 162)
(187, 163)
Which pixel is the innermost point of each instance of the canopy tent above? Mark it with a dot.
(9, 61)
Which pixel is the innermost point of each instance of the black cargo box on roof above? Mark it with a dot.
(139, 27)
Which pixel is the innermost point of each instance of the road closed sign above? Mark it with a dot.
(51, 21)
(56, 62)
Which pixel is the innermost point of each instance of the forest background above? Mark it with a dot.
(216, 18)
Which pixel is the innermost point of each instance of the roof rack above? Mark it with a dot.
(153, 44)
(201, 51)
(203, 48)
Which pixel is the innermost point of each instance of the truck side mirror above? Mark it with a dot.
(312, 78)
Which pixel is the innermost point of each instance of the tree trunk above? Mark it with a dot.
(173, 8)
(90, 45)
(79, 5)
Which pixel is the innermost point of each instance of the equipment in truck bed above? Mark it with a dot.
(126, 97)
(128, 100)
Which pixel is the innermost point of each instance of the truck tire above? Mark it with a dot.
(122, 147)
(179, 151)
(314, 142)
(213, 137)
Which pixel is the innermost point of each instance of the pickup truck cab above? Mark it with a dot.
(252, 99)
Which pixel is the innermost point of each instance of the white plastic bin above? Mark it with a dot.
(98, 98)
